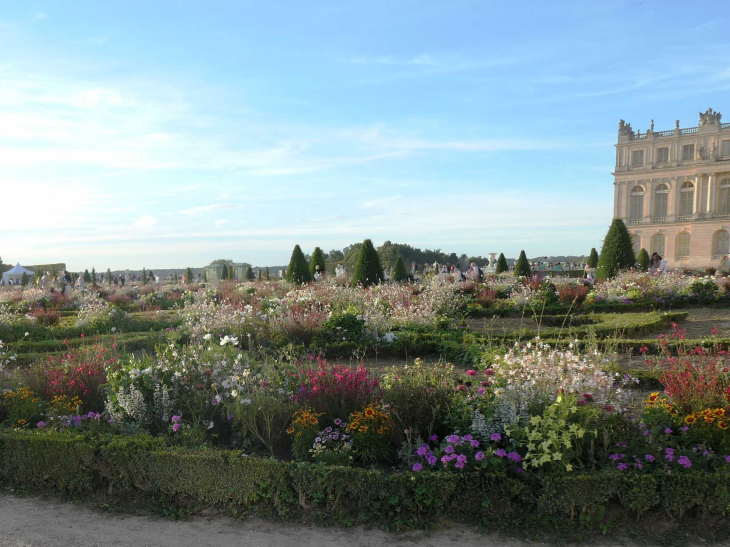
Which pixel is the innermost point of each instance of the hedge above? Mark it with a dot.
(118, 467)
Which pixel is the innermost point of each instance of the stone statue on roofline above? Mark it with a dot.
(624, 129)
(710, 117)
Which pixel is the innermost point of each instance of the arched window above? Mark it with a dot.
(686, 199)
(724, 205)
(658, 244)
(637, 203)
(661, 201)
(636, 243)
(722, 243)
(683, 245)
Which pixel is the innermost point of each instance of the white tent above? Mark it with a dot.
(15, 274)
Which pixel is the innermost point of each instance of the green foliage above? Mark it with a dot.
(267, 276)
(265, 416)
(317, 264)
(108, 276)
(298, 271)
(224, 274)
(522, 266)
(93, 277)
(368, 268)
(231, 273)
(144, 276)
(643, 260)
(24, 279)
(399, 270)
(249, 274)
(592, 258)
(501, 264)
(188, 275)
(87, 276)
(617, 252)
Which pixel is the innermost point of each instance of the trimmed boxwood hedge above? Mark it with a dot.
(121, 466)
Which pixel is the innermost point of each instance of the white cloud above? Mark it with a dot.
(207, 209)
(144, 222)
(220, 222)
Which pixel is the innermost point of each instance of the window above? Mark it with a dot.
(661, 201)
(686, 199)
(726, 148)
(722, 243)
(724, 205)
(636, 243)
(637, 203)
(658, 244)
(662, 155)
(683, 245)
(637, 157)
(688, 152)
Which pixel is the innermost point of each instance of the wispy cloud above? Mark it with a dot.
(208, 209)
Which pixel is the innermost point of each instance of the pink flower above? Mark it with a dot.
(471, 372)
(176, 418)
(417, 467)
(176, 427)
(41, 424)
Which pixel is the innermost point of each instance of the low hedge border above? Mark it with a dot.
(117, 466)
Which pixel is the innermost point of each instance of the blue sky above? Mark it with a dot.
(168, 134)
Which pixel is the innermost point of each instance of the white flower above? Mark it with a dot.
(147, 371)
(207, 337)
(134, 373)
(389, 337)
(219, 398)
(234, 393)
(210, 425)
(114, 329)
(246, 401)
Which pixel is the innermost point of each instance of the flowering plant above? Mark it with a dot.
(333, 445)
(369, 430)
(303, 431)
(465, 453)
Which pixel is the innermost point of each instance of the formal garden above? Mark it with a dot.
(530, 404)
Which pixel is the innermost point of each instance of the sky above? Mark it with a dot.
(172, 133)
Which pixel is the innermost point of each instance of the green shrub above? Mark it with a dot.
(643, 260)
(501, 264)
(249, 274)
(522, 266)
(368, 268)
(317, 263)
(592, 258)
(399, 270)
(617, 252)
(298, 271)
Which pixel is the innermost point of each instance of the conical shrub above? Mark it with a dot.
(298, 271)
(593, 258)
(249, 274)
(522, 266)
(368, 268)
(501, 264)
(317, 260)
(617, 252)
(643, 260)
(399, 270)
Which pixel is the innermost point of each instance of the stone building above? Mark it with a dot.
(672, 189)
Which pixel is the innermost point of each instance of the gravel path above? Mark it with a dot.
(35, 522)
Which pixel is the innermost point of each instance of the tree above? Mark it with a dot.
(298, 271)
(249, 274)
(368, 268)
(317, 260)
(24, 279)
(87, 276)
(617, 252)
(93, 277)
(108, 276)
(224, 274)
(189, 275)
(593, 258)
(231, 272)
(175, 278)
(144, 276)
(205, 276)
(267, 274)
(150, 275)
(643, 260)
(522, 266)
(501, 264)
(399, 270)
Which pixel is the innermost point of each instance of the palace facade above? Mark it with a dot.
(672, 189)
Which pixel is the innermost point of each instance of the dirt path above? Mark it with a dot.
(35, 522)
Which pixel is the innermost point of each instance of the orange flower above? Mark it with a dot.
(722, 425)
(690, 419)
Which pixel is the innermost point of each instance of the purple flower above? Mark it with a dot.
(41, 424)
(614, 457)
(230, 417)
(479, 456)
(514, 456)
(449, 449)
(338, 421)
(495, 437)
(669, 454)
(622, 466)
(433, 438)
(727, 459)
(176, 418)
(518, 470)
(417, 467)
(668, 431)
(474, 443)
(176, 426)
(685, 462)
(460, 461)
(431, 459)
(649, 458)
(467, 438)
(422, 450)
(501, 453)
(685, 428)
(452, 439)
(638, 466)
(645, 432)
